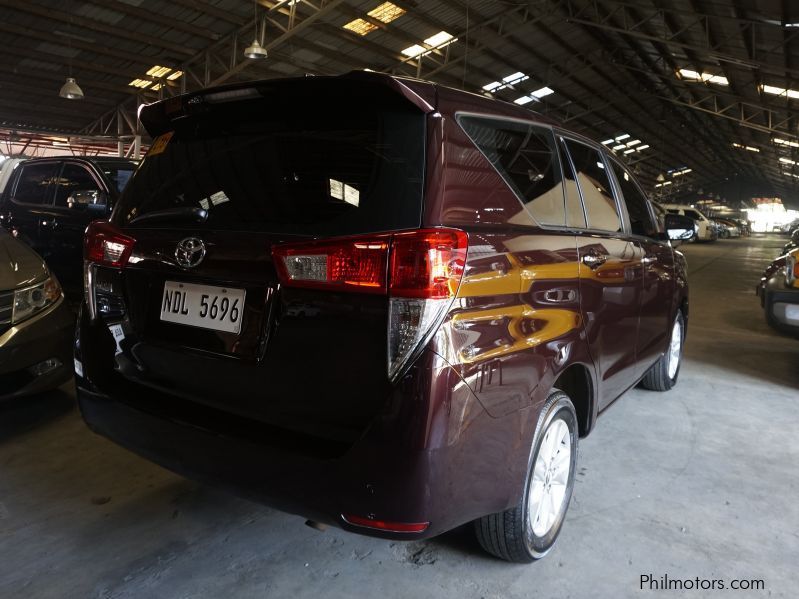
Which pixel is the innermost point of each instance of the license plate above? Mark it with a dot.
(204, 306)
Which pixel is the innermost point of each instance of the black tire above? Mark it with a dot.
(509, 535)
(658, 379)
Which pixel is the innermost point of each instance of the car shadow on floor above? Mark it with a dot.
(23, 414)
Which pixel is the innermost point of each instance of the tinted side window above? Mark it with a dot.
(575, 215)
(525, 157)
(33, 185)
(597, 193)
(73, 178)
(693, 214)
(637, 206)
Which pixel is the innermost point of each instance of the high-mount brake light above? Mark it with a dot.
(106, 245)
(419, 270)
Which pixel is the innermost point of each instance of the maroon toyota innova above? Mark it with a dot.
(377, 303)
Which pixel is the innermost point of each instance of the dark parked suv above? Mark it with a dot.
(48, 202)
(394, 311)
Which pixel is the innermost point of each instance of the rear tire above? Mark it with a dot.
(663, 375)
(528, 531)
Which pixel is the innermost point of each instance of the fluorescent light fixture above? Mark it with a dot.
(780, 91)
(492, 86)
(743, 147)
(681, 172)
(641, 148)
(619, 147)
(785, 142)
(787, 160)
(608, 141)
(439, 40)
(175, 75)
(690, 75)
(623, 136)
(630, 151)
(632, 143)
(790, 25)
(542, 93)
(523, 100)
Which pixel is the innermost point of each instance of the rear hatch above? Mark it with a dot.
(198, 311)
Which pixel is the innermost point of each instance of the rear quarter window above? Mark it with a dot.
(525, 157)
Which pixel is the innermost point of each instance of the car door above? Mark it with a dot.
(611, 272)
(28, 211)
(657, 295)
(71, 217)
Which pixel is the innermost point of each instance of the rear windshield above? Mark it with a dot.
(118, 173)
(298, 164)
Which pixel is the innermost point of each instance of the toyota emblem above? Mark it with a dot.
(190, 252)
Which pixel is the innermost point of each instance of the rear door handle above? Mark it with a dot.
(594, 260)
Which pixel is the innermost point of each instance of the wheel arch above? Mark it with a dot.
(576, 382)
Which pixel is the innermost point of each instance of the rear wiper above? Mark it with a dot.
(185, 213)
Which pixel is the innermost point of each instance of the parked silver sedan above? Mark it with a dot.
(36, 326)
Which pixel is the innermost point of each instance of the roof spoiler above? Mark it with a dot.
(159, 117)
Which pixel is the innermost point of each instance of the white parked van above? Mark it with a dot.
(705, 231)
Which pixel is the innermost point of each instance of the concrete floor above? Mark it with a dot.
(699, 482)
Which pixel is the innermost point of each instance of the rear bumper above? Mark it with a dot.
(403, 469)
(47, 336)
(781, 304)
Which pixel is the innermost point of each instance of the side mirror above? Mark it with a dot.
(88, 199)
(679, 227)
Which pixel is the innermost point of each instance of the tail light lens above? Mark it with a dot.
(384, 525)
(791, 269)
(419, 270)
(106, 245)
(352, 264)
(103, 245)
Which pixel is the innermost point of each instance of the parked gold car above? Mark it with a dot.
(35, 323)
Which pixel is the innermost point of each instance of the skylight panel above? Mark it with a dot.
(360, 26)
(439, 40)
(385, 13)
(515, 78)
(158, 71)
(780, 91)
(542, 93)
(140, 83)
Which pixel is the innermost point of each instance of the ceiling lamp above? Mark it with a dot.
(71, 90)
(255, 49)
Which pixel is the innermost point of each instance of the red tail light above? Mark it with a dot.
(426, 264)
(350, 264)
(385, 526)
(420, 271)
(106, 245)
